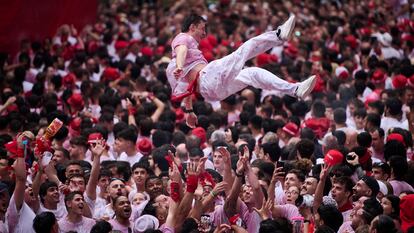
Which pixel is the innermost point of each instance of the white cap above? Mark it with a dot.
(145, 222)
(385, 39)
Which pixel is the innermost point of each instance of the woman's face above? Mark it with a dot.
(292, 194)
(138, 199)
(386, 205)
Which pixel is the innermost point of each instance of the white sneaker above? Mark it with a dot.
(285, 30)
(305, 87)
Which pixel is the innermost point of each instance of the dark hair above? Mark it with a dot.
(142, 164)
(394, 148)
(364, 139)
(299, 174)
(371, 209)
(79, 141)
(377, 105)
(272, 149)
(44, 222)
(101, 227)
(256, 121)
(340, 137)
(305, 148)
(384, 224)
(380, 131)
(191, 19)
(324, 229)
(43, 189)
(395, 203)
(374, 119)
(128, 134)
(194, 152)
(346, 182)
(394, 106)
(399, 166)
(71, 195)
(277, 225)
(339, 116)
(104, 173)
(158, 155)
(331, 216)
(318, 109)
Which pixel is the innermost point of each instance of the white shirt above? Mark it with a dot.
(18, 221)
(131, 159)
(388, 122)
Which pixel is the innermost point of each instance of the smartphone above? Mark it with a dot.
(47, 156)
(280, 164)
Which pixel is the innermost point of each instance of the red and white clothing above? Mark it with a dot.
(226, 76)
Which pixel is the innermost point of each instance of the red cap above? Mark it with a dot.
(75, 124)
(121, 44)
(366, 31)
(333, 157)
(200, 133)
(378, 76)
(11, 147)
(396, 137)
(265, 58)
(160, 50)
(76, 100)
(399, 81)
(110, 74)
(147, 51)
(342, 73)
(410, 81)
(406, 212)
(93, 137)
(144, 146)
(352, 41)
(69, 80)
(291, 128)
(291, 50)
(319, 86)
(318, 125)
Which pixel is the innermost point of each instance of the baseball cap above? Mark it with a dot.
(372, 184)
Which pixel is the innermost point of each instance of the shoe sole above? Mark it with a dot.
(310, 88)
(289, 34)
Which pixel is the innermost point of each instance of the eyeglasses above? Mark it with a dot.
(291, 192)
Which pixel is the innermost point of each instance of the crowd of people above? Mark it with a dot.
(332, 153)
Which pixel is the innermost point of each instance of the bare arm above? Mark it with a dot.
(20, 171)
(36, 187)
(160, 108)
(181, 52)
(254, 183)
(227, 172)
(97, 151)
(230, 206)
(320, 187)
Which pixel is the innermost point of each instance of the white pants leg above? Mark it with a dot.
(220, 78)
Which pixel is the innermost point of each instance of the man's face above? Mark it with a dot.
(162, 201)
(139, 176)
(247, 194)
(218, 160)
(195, 159)
(77, 204)
(361, 189)
(359, 122)
(121, 144)
(379, 174)
(103, 183)
(154, 187)
(4, 201)
(409, 97)
(117, 188)
(292, 180)
(58, 157)
(309, 187)
(199, 31)
(377, 141)
(357, 205)
(52, 195)
(73, 169)
(151, 161)
(123, 208)
(76, 151)
(339, 193)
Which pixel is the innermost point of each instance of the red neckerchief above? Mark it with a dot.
(191, 89)
(346, 207)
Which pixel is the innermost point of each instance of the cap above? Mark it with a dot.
(291, 128)
(333, 157)
(342, 73)
(372, 184)
(378, 76)
(93, 137)
(120, 44)
(406, 212)
(76, 100)
(110, 74)
(147, 51)
(146, 222)
(396, 137)
(399, 81)
(200, 133)
(385, 39)
(144, 146)
(383, 188)
(69, 80)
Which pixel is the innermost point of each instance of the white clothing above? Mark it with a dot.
(131, 159)
(388, 122)
(226, 76)
(18, 221)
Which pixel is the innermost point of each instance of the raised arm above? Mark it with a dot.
(97, 151)
(254, 183)
(230, 205)
(320, 187)
(227, 172)
(160, 108)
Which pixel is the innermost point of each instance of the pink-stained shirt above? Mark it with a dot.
(83, 226)
(400, 186)
(193, 58)
(18, 221)
(119, 227)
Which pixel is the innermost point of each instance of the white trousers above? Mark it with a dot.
(226, 76)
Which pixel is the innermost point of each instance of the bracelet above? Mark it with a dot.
(239, 175)
(188, 111)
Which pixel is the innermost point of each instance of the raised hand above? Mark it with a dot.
(191, 120)
(278, 175)
(98, 148)
(266, 211)
(226, 155)
(352, 158)
(175, 174)
(220, 187)
(324, 171)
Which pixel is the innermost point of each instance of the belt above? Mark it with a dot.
(191, 89)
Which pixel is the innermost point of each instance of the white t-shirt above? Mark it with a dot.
(59, 213)
(388, 122)
(131, 159)
(83, 226)
(19, 221)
